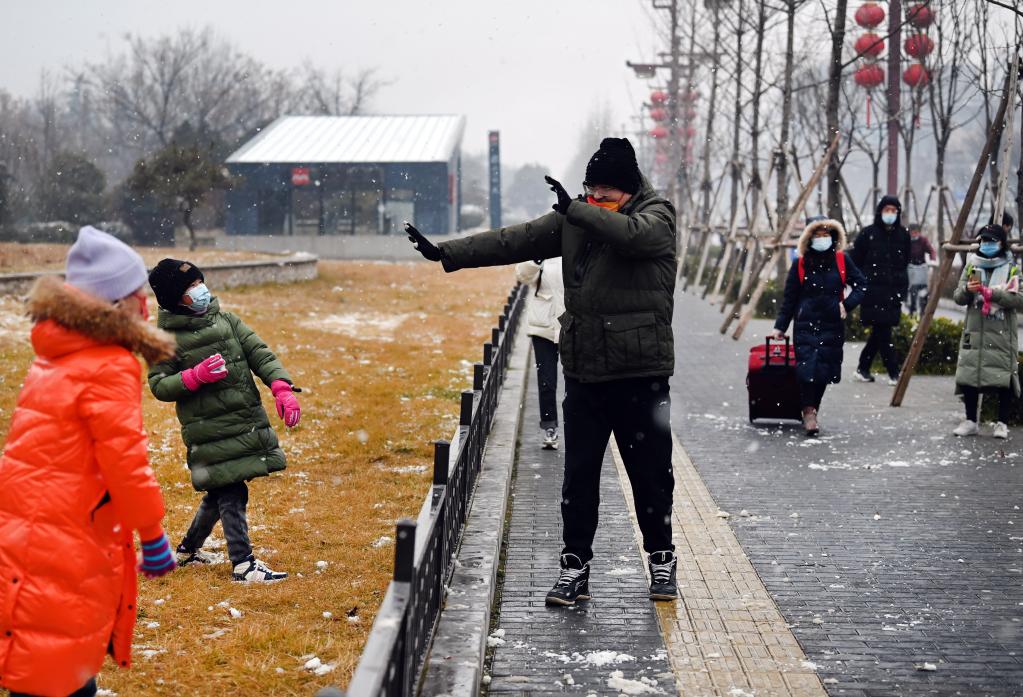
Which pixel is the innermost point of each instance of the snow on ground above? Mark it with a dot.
(371, 326)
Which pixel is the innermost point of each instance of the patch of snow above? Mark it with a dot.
(383, 541)
(643, 686)
(623, 571)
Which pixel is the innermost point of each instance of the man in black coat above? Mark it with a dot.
(881, 251)
(617, 249)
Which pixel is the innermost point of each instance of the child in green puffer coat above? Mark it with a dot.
(223, 423)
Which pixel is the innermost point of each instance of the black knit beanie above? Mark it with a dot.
(614, 164)
(170, 279)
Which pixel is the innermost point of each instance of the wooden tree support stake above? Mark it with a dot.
(779, 236)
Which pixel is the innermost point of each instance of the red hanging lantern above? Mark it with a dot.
(658, 132)
(658, 97)
(869, 75)
(916, 75)
(869, 15)
(690, 97)
(658, 114)
(869, 44)
(661, 158)
(920, 16)
(689, 133)
(919, 46)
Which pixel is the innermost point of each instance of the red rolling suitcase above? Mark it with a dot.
(771, 382)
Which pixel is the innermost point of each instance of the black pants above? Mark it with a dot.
(880, 341)
(226, 504)
(971, 398)
(86, 690)
(638, 412)
(545, 352)
(811, 394)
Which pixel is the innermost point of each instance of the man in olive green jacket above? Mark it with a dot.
(616, 345)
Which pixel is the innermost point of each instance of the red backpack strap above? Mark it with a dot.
(802, 271)
(840, 260)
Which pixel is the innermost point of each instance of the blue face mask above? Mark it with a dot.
(821, 244)
(990, 249)
(200, 296)
(889, 218)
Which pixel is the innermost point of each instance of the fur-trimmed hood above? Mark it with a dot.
(96, 319)
(838, 234)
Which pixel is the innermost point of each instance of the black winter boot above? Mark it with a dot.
(573, 583)
(662, 576)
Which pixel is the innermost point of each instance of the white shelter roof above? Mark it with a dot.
(354, 139)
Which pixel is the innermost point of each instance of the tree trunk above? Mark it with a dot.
(186, 215)
(939, 182)
(782, 205)
(757, 87)
(736, 119)
(711, 106)
(834, 92)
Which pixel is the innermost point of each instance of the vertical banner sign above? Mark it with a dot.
(495, 179)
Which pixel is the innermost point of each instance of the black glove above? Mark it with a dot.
(563, 198)
(429, 250)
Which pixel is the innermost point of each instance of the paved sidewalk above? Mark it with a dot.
(605, 646)
(887, 544)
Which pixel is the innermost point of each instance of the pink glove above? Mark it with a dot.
(208, 371)
(287, 403)
(985, 293)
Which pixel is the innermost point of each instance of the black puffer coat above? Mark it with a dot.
(819, 331)
(882, 253)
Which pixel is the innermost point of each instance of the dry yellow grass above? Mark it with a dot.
(20, 258)
(382, 351)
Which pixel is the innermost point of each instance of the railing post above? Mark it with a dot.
(488, 354)
(465, 416)
(502, 321)
(404, 550)
(441, 455)
(479, 374)
(495, 336)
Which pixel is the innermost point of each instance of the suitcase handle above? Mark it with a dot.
(767, 354)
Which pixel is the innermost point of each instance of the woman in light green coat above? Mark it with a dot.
(989, 348)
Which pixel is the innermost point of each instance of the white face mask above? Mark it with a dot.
(821, 244)
(889, 218)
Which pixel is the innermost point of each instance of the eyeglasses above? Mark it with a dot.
(598, 190)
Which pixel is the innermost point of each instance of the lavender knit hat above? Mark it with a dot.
(102, 265)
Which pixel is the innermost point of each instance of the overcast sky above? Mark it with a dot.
(532, 69)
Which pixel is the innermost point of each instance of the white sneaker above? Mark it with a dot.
(253, 570)
(966, 428)
(550, 439)
(199, 557)
(1000, 430)
(863, 376)
(892, 381)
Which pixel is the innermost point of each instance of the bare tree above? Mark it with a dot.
(336, 94)
(837, 31)
(948, 91)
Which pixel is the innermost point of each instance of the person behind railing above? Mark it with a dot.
(545, 303)
(989, 347)
(75, 480)
(617, 249)
(815, 300)
(921, 256)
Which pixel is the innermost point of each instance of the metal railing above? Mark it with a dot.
(392, 660)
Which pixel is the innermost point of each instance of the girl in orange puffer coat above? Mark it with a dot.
(75, 480)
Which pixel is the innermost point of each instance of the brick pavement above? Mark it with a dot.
(610, 642)
(887, 543)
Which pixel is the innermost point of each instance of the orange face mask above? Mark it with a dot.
(609, 205)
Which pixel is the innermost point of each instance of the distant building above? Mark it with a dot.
(347, 175)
